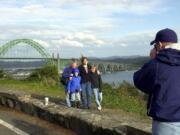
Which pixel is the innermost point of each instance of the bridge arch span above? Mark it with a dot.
(38, 47)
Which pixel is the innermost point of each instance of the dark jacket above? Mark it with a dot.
(96, 81)
(84, 76)
(160, 79)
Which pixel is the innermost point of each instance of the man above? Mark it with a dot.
(67, 73)
(160, 79)
(84, 69)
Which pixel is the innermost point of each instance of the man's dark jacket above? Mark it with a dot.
(85, 77)
(160, 79)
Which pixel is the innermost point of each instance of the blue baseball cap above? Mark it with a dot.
(165, 35)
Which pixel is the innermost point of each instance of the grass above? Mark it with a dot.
(32, 87)
(126, 97)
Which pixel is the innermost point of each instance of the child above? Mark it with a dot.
(96, 84)
(74, 88)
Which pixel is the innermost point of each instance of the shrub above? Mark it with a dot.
(1, 73)
(47, 75)
(125, 97)
(5, 75)
(129, 89)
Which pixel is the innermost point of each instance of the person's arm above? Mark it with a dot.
(69, 86)
(100, 83)
(80, 83)
(90, 76)
(65, 73)
(89, 68)
(153, 53)
(145, 77)
(80, 71)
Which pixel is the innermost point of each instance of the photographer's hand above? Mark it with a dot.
(153, 53)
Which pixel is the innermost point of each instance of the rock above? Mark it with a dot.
(10, 103)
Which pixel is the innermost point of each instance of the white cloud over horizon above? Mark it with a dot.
(91, 27)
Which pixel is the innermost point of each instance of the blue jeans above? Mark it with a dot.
(67, 97)
(86, 94)
(98, 96)
(165, 128)
(68, 102)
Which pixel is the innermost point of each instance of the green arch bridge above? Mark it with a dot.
(61, 63)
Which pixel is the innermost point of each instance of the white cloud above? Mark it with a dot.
(79, 39)
(86, 38)
(2, 37)
(129, 6)
(123, 45)
(43, 43)
(80, 24)
(32, 8)
(67, 43)
(81, 9)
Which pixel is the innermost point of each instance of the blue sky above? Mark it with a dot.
(96, 28)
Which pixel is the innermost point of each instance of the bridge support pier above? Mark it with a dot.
(58, 63)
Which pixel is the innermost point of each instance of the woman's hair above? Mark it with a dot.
(83, 58)
(94, 66)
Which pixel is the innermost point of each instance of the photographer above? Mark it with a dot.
(160, 79)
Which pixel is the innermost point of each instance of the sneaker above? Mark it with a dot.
(99, 108)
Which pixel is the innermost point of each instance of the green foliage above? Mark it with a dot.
(47, 75)
(129, 89)
(125, 97)
(1, 73)
(4, 75)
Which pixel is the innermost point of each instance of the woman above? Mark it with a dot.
(96, 85)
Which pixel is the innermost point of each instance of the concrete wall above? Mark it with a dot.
(83, 122)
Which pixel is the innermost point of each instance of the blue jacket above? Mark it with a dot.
(160, 79)
(74, 84)
(67, 71)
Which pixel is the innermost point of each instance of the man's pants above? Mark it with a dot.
(165, 128)
(67, 97)
(86, 94)
(68, 102)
